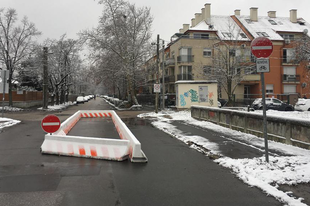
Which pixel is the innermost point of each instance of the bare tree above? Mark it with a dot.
(16, 42)
(62, 64)
(302, 56)
(124, 30)
(231, 61)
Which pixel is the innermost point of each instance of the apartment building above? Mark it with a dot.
(218, 47)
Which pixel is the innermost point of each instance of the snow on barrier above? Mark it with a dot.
(99, 148)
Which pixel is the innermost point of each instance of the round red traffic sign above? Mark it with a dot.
(50, 123)
(261, 47)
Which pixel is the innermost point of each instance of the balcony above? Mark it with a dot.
(185, 58)
(251, 77)
(168, 79)
(289, 61)
(170, 62)
(184, 77)
(291, 78)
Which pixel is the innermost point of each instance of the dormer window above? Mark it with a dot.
(301, 22)
(248, 21)
(243, 35)
(227, 34)
(272, 22)
(262, 34)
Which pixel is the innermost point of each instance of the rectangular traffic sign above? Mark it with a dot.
(157, 88)
(262, 65)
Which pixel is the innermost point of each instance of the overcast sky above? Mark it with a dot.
(56, 17)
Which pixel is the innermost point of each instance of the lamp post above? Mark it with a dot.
(157, 76)
(163, 70)
(45, 78)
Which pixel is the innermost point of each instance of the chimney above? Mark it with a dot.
(181, 31)
(254, 14)
(272, 14)
(203, 13)
(208, 12)
(193, 22)
(293, 15)
(237, 12)
(185, 27)
(198, 18)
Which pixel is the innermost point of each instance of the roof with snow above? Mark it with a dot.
(225, 26)
(268, 27)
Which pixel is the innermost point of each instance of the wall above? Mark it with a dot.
(189, 93)
(24, 99)
(289, 131)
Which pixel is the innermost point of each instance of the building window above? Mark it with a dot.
(262, 34)
(185, 73)
(185, 55)
(289, 89)
(201, 36)
(227, 34)
(250, 70)
(243, 35)
(269, 88)
(272, 22)
(287, 36)
(207, 52)
(288, 55)
(205, 36)
(248, 21)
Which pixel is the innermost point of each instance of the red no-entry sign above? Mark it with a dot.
(50, 123)
(261, 47)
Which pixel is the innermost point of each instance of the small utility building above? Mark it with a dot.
(201, 92)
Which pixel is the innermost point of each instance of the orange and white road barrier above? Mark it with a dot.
(99, 148)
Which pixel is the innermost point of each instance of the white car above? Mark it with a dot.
(80, 100)
(303, 105)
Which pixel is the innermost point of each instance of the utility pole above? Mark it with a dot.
(45, 78)
(163, 70)
(157, 78)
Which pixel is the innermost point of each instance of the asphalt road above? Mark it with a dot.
(174, 175)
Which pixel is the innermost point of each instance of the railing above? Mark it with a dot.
(168, 79)
(184, 77)
(290, 78)
(289, 60)
(185, 58)
(290, 131)
(170, 62)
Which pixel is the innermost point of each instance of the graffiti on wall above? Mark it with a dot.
(182, 100)
(211, 102)
(193, 96)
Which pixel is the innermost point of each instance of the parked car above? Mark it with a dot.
(272, 103)
(80, 100)
(303, 105)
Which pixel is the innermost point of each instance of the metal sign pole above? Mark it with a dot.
(3, 94)
(264, 116)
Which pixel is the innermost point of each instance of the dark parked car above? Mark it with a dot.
(272, 103)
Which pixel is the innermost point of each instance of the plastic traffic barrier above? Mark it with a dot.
(99, 148)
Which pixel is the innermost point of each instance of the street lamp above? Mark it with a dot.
(163, 73)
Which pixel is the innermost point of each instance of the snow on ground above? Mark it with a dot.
(6, 122)
(11, 109)
(293, 169)
(58, 107)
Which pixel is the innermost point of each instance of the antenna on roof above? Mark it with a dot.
(305, 31)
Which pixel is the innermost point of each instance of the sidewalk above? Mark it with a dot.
(285, 177)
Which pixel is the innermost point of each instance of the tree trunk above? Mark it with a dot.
(57, 95)
(10, 84)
